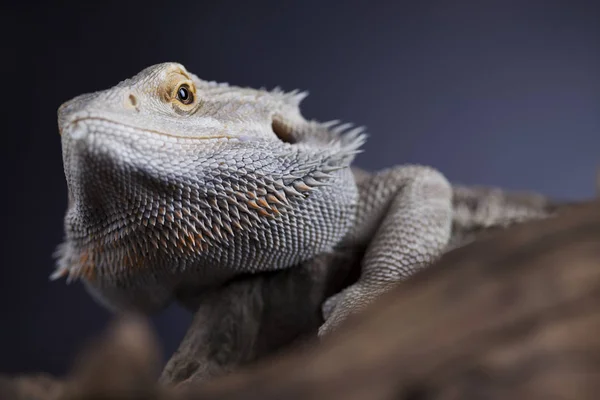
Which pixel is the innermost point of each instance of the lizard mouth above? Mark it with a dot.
(76, 131)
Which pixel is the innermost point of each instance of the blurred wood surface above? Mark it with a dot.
(514, 315)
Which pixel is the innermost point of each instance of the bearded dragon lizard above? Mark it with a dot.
(178, 185)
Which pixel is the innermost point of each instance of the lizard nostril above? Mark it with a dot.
(133, 100)
(130, 101)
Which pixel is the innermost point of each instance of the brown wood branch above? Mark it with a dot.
(515, 315)
(121, 364)
(255, 317)
(258, 315)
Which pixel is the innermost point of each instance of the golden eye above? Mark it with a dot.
(185, 95)
(178, 90)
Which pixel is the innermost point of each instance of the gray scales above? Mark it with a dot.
(179, 185)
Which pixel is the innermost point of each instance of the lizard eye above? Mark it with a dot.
(179, 91)
(185, 95)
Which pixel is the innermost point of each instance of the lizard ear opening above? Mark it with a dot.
(283, 131)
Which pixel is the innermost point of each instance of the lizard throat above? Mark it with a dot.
(139, 203)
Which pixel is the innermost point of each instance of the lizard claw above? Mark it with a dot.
(339, 307)
(351, 300)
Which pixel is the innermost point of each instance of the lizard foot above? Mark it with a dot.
(349, 301)
(330, 304)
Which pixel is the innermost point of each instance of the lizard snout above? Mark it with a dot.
(74, 110)
(76, 128)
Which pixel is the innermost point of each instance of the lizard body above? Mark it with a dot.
(178, 185)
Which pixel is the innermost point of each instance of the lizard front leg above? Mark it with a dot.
(407, 211)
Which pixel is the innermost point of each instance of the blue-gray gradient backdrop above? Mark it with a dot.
(495, 92)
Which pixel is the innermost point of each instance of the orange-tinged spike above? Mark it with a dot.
(217, 230)
(281, 196)
(83, 258)
(191, 239)
(263, 203)
(253, 204)
(89, 272)
(60, 273)
(274, 199)
(154, 242)
(228, 228)
(240, 195)
(263, 212)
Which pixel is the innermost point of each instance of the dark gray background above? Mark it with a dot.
(504, 93)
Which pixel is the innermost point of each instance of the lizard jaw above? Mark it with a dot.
(76, 128)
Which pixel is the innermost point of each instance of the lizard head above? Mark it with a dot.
(167, 100)
(168, 173)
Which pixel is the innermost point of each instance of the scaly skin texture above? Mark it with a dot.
(178, 185)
